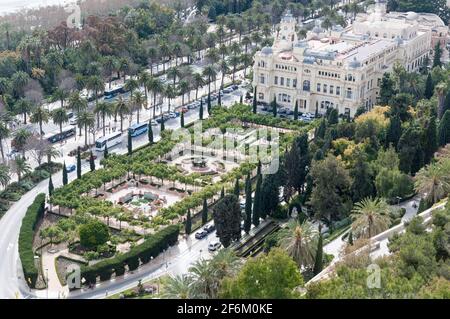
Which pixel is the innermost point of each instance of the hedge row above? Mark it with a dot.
(142, 253)
(33, 215)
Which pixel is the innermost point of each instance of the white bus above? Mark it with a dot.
(109, 141)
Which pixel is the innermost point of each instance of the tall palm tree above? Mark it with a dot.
(76, 102)
(198, 83)
(224, 69)
(40, 116)
(59, 117)
(23, 106)
(178, 287)
(121, 108)
(138, 99)
(434, 180)
(210, 73)
(131, 85)
(156, 87)
(184, 88)
(5, 176)
(21, 167)
(370, 217)
(170, 94)
(85, 120)
(4, 134)
(96, 85)
(20, 139)
(103, 109)
(204, 283)
(143, 78)
(246, 60)
(173, 73)
(300, 242)
(234, 61)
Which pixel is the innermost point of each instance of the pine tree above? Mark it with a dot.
(437, 55)
(318, 263)
(296, 111)
(78, 162)
(92, 162)
(429, 87)
(150, 132)
(65, 178)
(188, 225)
(182, 119)
(274, 107)
(248, 204)
(236, 191)
(130, 144)
(254, 101)
(444, 129)
(204, 212)
(50, 186)
(200, 111)
(105, 152)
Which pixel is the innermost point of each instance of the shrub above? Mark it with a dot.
(93, 234)
(281, 212)
(34, 212)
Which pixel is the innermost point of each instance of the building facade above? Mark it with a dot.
(342, 67)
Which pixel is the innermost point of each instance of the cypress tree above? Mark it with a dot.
(320, 132)
(429, 87)
(316, 113)
(163, 126)
(222, 192)
(209, 103)
(274, 107)
(105, 152)
(50, 186)
(318, 263)
(333, 116)
(248, 204)
(150, 132)
(188, 225)
(182, 119)
(78, 162)
(92, 162)
(437, 55)
(236, 188)
(394, 131)
(296, 111)
(219, 99)
(444, 129)
(254, 101)
(130, 144)
(65, 178)
(350, 238)
(200, 111)
(257, 213)
(204, 212)
(430, 143)
(241, 99)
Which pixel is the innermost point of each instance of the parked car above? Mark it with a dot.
(172, 115)
(153, 123)
(201, 234)
(210, 228)
(73, 121)
(71, 168)
(235, 87)
(282, 110)
(213, 246)
(185, 110)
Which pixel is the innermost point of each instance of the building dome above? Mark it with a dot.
(411, 15)
(267, 51)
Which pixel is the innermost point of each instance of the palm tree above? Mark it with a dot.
(204, 284)
(234, 61)
(173, 73)
(178, 287)
(247, 60)
(210, 73)
(20, 140)
(96, 85)
(183, 88)
(60, 95)
(224, 69)
(85, 120)
(434, 180)
(370, 217)
(5, 177)
(21, 167)
(59, 117)
(52, 153)
(138, 100)
(76, 102)
(198, 82)
(155, 86)
(40, 115)
(121, 108)
(300, 242)
(4, 134)
(103, 109)
(131, 85)
(23, 106)
(143, 79)
(170, 93)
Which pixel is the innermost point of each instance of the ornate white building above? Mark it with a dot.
(342, 67)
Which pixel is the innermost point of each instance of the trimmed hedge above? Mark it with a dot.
(142, 253)
(34, 213)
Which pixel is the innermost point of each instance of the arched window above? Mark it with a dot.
(306, 85)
